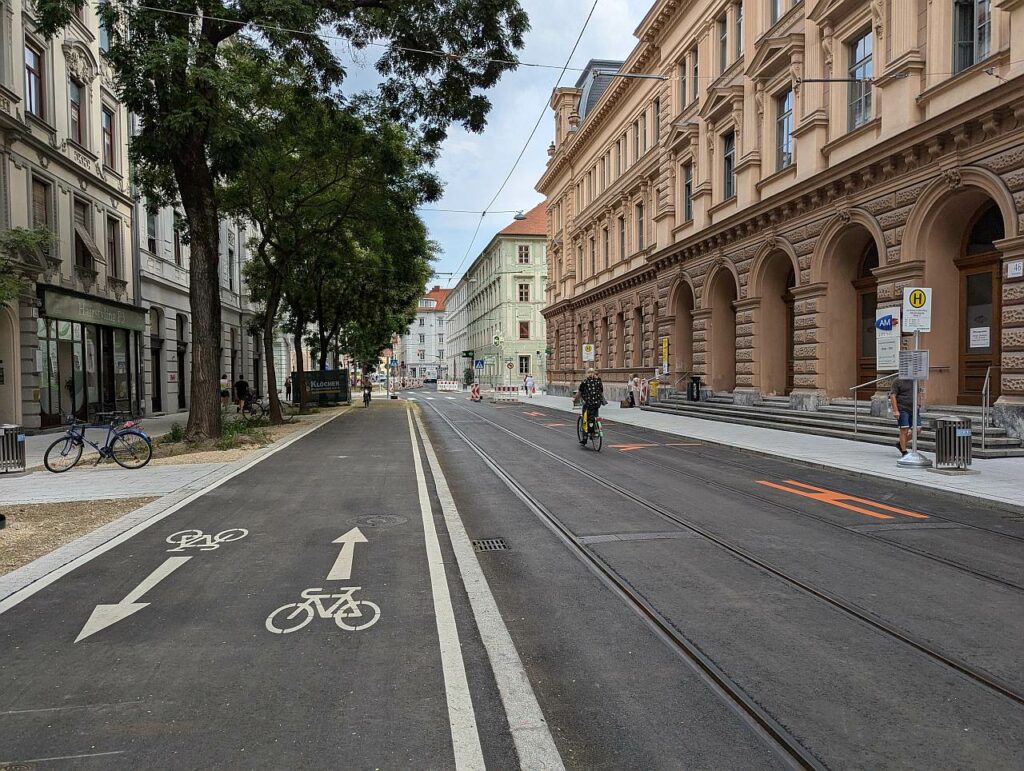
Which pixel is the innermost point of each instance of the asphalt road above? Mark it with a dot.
(878, 626)
(673, 605)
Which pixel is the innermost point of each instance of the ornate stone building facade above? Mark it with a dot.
(71, 343)
(780, 170)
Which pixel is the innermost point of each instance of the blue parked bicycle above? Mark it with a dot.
(126, 444)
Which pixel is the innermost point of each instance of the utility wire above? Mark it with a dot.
(543, 112)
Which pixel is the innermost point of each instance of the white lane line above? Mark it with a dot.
(41, 583)
(530, 731)
(430, 398)
(5, 763)
(450, 398)
(461, 717)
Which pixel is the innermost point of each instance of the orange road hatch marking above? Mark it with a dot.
(841, 500)
(534, 414)
(554, 425)
(631, 447)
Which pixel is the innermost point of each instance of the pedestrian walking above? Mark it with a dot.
(288, 388)
(531, 386)
(225, 391)
(901, 405)
(241, 393)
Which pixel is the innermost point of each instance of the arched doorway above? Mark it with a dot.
(722, 294)
(980, 307)
(776, 329)
(682, 332)
(9, 366)
(964, 269)
(848, 261)
(866, 286)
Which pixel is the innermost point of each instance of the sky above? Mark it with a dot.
(473, 166)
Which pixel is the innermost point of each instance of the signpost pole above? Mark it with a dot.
(913, 417)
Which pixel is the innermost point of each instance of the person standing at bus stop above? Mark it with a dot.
(901, 405)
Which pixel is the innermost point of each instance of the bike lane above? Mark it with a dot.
(159, 654)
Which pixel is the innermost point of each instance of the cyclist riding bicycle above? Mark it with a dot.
(591, 393)
(367, 393)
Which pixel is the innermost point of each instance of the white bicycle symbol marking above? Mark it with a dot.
(295, 615)
(197, 539)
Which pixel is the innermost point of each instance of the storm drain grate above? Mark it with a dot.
(490, 544)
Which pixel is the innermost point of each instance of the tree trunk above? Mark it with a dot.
(300, 377)
(272, 304)
(196, 189)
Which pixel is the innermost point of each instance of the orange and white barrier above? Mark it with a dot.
(506, 393)
(474, 392)
(448, 385)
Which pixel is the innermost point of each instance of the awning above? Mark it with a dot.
(90, 245)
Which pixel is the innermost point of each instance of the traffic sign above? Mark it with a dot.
(478, 364)
(509, 365)
(588, 352)
(917, 309)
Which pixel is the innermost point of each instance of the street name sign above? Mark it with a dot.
(887, 339)
(917, 309)
(914, 365)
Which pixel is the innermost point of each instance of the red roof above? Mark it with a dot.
(438, 294)
(535, 224)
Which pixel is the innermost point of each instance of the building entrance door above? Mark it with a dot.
(790, 341)
(156, 354)
(980, 309)
(866, 286)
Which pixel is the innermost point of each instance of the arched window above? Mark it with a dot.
(987, 230)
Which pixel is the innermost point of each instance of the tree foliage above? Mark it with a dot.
(15, 245)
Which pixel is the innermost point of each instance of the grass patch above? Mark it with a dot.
(236, 432)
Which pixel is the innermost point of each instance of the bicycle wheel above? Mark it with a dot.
(368, 616)
(62, 454)
(299, 608)
(184, 536)
(579, 430)
(234, 534)
(596, 439)
(131, 449)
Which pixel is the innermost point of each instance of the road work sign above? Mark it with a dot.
(887, 339)
(917, 309)
(588, 352)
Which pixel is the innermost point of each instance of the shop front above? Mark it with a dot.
(89, 356)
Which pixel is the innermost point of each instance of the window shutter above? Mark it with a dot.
(40, 206)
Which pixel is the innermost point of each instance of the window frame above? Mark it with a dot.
(108, 148)
(784, 103)
(113, 244)
(622, 237)
(688, 191)
(638, 213)
(524, 296)
(35, 99)
(606, 246)
(722, 22)
(76, 113)
(729, 165)
(738, 29)
(524, 326)
(152, 237)
(528, 359)
(967, 53)
(523, 250)
(695, 73)
(859, 101)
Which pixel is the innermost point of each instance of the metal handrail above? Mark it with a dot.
(986, 394)
(856, 388)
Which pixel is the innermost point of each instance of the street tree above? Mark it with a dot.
(324, 184)
(18, 247)
(171, 70)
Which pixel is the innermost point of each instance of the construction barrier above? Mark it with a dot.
(448, 385)
(474, 392)
(506, 393)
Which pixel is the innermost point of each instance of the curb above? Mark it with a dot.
(25, 581)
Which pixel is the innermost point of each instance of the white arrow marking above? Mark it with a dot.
(108, 615)
(342, 570)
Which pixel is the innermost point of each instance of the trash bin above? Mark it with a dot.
(12, 448)
(953, 438)
(693, 390)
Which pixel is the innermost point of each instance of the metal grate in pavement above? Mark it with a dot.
(490, 544)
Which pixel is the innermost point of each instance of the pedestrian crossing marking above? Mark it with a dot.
(841, 500)
(430, 398)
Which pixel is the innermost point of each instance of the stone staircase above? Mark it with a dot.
(837, 420)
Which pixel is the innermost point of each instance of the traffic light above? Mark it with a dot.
(468, 354)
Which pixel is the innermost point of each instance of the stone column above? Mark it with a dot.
(747, 391)
(808, 354)
(701, 321)
(1009, 409)
(31, 361)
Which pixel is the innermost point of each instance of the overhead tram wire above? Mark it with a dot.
(539, 65)
(533, 132)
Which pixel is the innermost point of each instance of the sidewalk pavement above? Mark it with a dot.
(35, 445)
(998, 483)
(106, 483)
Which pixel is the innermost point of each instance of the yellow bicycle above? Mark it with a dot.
(589, 430)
